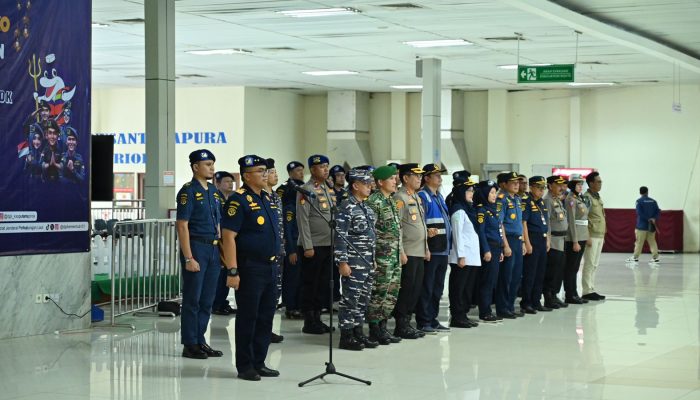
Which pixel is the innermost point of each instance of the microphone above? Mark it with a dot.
(303, 191)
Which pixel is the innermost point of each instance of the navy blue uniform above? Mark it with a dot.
(78, 173)
(291, 273)
(490, 240)
(536, 215)
(258, 244)
(510, 274)
(202, 210)
(222, 290)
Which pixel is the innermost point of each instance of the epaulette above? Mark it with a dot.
(187, 184)
(501, 195)
(240, 191)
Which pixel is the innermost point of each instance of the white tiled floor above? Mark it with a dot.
(641, 343)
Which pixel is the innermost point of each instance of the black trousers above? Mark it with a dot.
(411, 286)
(554, 275)
(573, 262)
(534, 266)
(315, 276)
(462, 283)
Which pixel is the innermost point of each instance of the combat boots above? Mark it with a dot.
(326, 328)
(403, 329)
(418, 332)
(310, 324)
(348, 341)
(360, 337)
(376, 334)
(392, 338)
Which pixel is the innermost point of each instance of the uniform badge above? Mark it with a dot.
(324, 205)
(183, 199)
(249, 198)
(561, 215)
(231, 211)
(261, 220)
(290, 216)
(480, 218)
(302, 201)
(512, 216)
(414, 217)
(399, 204)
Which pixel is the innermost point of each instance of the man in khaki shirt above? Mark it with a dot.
(596, 232)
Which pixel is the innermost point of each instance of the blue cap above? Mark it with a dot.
(294, 164)
(251, 160)
(201, 155)
(318, 159)
(221, 175)
(335, 169)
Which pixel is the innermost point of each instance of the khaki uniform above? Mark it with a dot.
(313, 229)
(558, 222)
(596, 232)
(413, 228)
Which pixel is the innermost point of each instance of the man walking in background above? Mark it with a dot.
(647, 215)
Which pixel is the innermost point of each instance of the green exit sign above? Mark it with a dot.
(545, 73)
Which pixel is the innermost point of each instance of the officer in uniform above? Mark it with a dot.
(224, 187)
(355, 224)
(337, 174)
(511, 269)
(314, 243)
(51, 156)
(251, 242)
(396, 177)
(73, 164)
(576, 237)
(386, 278)
(291, 276)
(490, 230)
(198, 215)
(458, 178)
(522, 185)
(558, 226)
(535, 228)
(32, 162)
(272, 180)
(414, 234)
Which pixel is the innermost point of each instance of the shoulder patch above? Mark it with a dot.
(240, 191)
(501, 195)
(183, 198)
(480, 218)
(399, 204)
(187, 184)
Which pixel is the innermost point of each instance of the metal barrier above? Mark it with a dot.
(145, 269)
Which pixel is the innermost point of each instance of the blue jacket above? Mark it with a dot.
(488, 228)
(437, 216)
(646, 209)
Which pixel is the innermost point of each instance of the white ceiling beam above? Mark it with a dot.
(593, 27)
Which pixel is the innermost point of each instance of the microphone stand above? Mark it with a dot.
(330, 367)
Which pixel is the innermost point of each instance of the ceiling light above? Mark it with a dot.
(582, 84)
(407, 87)
(438, 43)
(515, 66)
(99, 25)
(319, 12)
(329, 73)
(218, 52)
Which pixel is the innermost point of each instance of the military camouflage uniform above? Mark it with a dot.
(355, 221)
(387, 276)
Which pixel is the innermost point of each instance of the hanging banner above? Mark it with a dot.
(44, 126)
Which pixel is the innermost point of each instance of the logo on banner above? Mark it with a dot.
(6, 96)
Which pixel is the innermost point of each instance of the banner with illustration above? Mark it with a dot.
(44, 126)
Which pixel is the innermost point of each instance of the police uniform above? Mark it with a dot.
(535, 216)
(414, 234)
(252, 216)
(386, 279)
(577, 213)
(33, 160)
(511, 269)
(355, 223)
(315, 234)
(291, 276)
(201, 209)
(558, 226)
(490, 241)
(221, 305)
(77, 174)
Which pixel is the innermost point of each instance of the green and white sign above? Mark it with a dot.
(545, 73)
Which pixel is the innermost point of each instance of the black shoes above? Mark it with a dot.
(377, 335)
(194, 351)
(293, 314)
(463, 323)
(593, 296)
(348, 341)
(225, 310)
(392, 338)
(528, 310)
(490, 318)
(209, 351)
(506, 315)
(311, 325)
(576, 300)
(403, 329)
(267, 372)
(542, 308)
(249, 375)
(275, 338)
(364, 339)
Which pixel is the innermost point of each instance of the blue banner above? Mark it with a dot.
(44, 126)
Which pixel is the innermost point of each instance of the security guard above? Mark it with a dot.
(511, 269)
(576, 237)
(491, 244)
(291, 276)
(558, 226)
(414, 234)
(337, 175)
(355, 224)
(386, 278)
(73, 164)
(251, 243)
(224, 185)
(198, 215)
(535, 228)
(315, 244)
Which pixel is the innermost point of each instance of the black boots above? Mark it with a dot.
(403, 329)
(360, 337)
(311, 326)
(377, 335)
(392, 338)
(348, 341)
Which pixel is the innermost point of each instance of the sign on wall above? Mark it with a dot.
(545, 73)
(44, 126)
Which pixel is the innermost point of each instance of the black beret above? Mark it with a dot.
(201, 155)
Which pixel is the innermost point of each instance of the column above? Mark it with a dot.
(432, 85)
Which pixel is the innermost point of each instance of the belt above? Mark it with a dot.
(212, 242)
(261, 259)
(534, 234)
(558, 233)
(581, 222)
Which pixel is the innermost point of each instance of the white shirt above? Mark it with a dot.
(465, 241)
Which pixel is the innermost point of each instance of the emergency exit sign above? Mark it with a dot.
(545, 73)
